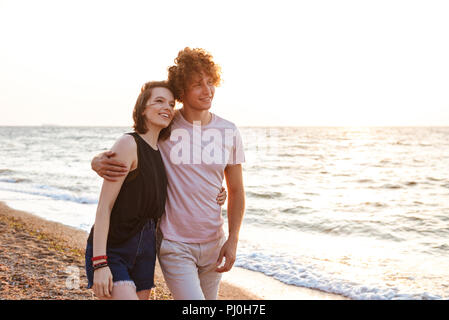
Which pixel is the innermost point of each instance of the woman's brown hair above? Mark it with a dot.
(189, 63)
(140, 125)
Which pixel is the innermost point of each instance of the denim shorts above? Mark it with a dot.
(130, 262)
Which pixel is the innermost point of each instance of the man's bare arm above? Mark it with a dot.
(107, 167)
(112, 170)
(236, 210)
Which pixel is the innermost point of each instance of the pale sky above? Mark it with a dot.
(295, 63)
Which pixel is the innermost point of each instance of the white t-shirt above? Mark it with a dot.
(195, 158)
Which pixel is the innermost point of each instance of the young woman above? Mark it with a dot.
(121, 248)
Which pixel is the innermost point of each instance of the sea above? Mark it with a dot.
(360, 212)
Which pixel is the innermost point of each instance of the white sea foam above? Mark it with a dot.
(292, 273)
(46, 191)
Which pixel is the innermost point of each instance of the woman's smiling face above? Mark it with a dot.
(159, 109)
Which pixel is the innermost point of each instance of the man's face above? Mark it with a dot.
(199, 92)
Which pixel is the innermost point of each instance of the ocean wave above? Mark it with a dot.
(400, 143)
(364, 181)
(264, 195)
(289, 272)
(311, 194)
(434, 179)
(6, 171)
(370, 229)
(15, 180)
(297, 209)
(376, 204)
(394, 186)
(50, 192)
(443, 248)
(391, 186)
(292, 155)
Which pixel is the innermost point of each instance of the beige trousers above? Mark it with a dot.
(189, 268)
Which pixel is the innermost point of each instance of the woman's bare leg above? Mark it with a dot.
(122, 292)
(144, 294)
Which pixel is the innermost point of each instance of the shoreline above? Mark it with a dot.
(268, 288)
(42, 259)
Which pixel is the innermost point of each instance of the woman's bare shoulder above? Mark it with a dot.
(125, 147)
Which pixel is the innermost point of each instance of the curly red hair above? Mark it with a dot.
(189, 63)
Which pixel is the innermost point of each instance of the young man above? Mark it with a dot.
(202, 150)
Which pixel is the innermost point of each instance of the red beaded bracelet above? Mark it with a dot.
(99, 258)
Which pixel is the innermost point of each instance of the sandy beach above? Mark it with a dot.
(44, 260)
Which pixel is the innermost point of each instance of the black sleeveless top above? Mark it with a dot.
(141, 197)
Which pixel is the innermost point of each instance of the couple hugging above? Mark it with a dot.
(162, 191)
